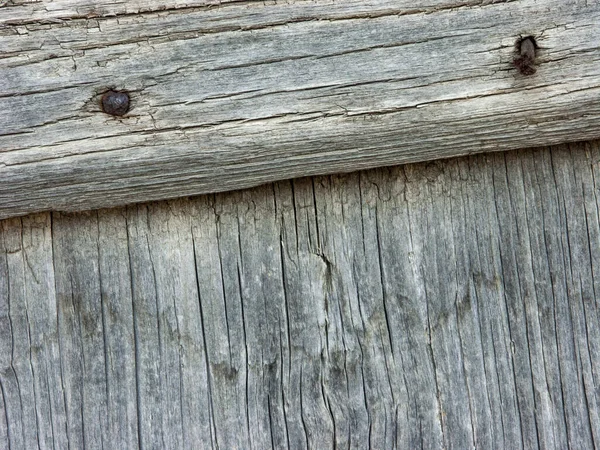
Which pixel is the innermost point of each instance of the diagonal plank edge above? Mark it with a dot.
(246, 93)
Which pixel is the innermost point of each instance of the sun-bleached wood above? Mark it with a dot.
(451, 304)
(228, 95)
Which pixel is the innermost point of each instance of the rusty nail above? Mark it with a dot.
(525, 61)
(115, 103)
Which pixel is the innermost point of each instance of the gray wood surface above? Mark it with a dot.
(232, 94)
(451, 304)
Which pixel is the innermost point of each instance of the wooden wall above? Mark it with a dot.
(451, 304)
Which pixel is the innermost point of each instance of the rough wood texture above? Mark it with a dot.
(451, 304)
(233, 94)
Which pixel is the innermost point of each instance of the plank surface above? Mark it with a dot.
(451, 304)
(231, 94)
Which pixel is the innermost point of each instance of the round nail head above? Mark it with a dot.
(115, 103)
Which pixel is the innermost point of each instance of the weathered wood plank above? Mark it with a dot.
(174, 382)
(450, 304)
(243, 93)
(32, 380)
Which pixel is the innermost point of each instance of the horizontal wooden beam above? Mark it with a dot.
(234, 95)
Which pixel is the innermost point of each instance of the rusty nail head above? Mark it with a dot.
(115, 103)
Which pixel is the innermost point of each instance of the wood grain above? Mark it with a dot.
(451, 304)
(227, 95)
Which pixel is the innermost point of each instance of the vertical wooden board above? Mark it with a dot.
(304, 274)
(20, 384)
(264, 309)
(146, 331)
(299, 320)
(11, 420)
(4, 438)
(179, 300)
(84, 353)
(307, 280)
(592, 205)
(215, 231)
(492, 298)
(526, 232)
(349, 365)
(384, 337)
(517, 265)
(405, 302)
(583, 404)
(32, 370)
(359, 343)
(165, 263)
(476, 291)
(43, 330)
(166, 293)
(432, 230)
(515, 269)
(539, 194)
(119, 338)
